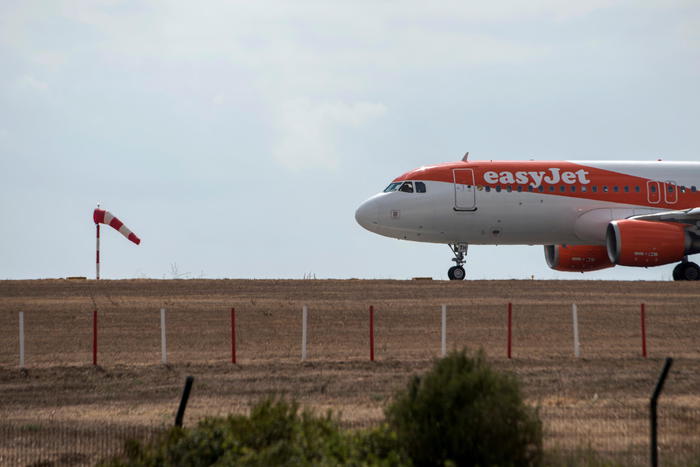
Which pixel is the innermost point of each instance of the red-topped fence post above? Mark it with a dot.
(642, 319)
(371, 333)
(510, 329)
(94, 337)
(233, 335)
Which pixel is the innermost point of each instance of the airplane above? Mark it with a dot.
(589, 215)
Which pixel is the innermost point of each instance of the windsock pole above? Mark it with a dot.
(97, 256)
(97, 249)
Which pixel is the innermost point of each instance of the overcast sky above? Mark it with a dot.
(237, 138)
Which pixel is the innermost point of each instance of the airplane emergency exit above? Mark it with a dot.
(589, 215)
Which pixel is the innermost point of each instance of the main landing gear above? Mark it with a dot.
(686, 271)
(456, 273)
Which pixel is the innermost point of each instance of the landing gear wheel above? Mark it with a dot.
(677, 271)
(456, 273)
(689, 272)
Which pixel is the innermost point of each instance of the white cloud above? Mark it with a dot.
(264, 33)
(309, 133)
(690, 31)
(49, 59)
(32, 83)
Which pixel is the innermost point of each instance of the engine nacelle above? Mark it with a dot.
(647, 243)
(577, 258)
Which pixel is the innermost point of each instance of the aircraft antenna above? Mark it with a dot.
(466, 156)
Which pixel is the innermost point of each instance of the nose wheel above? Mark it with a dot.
(456, 272)
(686, 271)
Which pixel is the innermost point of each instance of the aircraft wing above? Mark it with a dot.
(686, 216)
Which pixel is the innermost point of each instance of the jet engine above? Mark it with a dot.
(648, 243)
(577, 258)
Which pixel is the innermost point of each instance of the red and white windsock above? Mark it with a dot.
(100, 216)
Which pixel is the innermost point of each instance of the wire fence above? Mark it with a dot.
(126, 335)
(620, 434)
(47, 443)
(573, 435)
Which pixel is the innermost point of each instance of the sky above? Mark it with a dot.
(237, 138)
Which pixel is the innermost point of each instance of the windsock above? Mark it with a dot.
(100, 216)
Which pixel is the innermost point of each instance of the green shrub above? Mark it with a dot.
(461, 412)
(275, 433)
(464, 412)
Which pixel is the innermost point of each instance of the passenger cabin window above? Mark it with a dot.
(420, 187)
(407, 187)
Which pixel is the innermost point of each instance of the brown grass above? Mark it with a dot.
(600, 397)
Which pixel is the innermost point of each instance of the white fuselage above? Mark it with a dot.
(512, 203)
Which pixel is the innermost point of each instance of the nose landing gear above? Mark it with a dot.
(456, 273)
(686, 271)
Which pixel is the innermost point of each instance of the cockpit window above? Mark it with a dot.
(406, 187)
(392, 187)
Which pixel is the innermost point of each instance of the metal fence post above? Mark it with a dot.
(577, 343)
(21, 340)
(652, 412)
(233, 335)
(163, 343)
(371, 333)
(443, 334)
(94, 336)
(183, 401)
(510, 329)
(304, 321)
(642, 318)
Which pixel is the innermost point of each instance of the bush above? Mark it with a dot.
(461, 412)
(464, 412)
(275, 433)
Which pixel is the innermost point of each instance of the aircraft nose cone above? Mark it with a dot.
(367, 214)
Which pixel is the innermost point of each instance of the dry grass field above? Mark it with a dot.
(599, 399)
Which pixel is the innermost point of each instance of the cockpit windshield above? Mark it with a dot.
(406, 187)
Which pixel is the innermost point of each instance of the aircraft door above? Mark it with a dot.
(670, 192)
(653, 192)
(465, 191)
